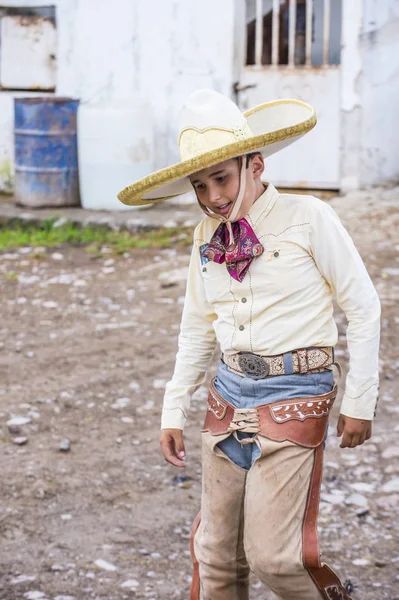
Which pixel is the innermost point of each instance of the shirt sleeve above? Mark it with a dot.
(197, 341)
(341, 265)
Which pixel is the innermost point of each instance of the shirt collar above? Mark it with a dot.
(263, 205)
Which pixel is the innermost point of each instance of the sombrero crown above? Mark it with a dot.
(212, 130)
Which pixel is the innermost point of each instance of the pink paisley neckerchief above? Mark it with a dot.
(238, 256)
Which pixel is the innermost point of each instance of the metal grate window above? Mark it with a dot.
(293, 32)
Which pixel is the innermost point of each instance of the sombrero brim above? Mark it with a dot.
(275, 126)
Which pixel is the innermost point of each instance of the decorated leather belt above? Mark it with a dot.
(302, 421)
(258, 367)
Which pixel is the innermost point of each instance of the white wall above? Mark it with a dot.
(380, 93)
(160, 50)
(370, 93)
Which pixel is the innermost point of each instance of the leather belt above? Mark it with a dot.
(256, 366)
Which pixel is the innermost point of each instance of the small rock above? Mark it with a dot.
(103, 564)
(120, 403)
(34, 595)
(57, 256)
(130, 584)
(135, 386)
(79, 283)
(65, 445)
(18, 422)
(127, 420)
(23, 579)
(391, 452)
(50, 304)
(66, 517)
(361, 562)
(380, 563)
(357, 500)
(60, 222)
(361, 486)
(333, 498)
(391, 486)
(20, 440)
(158, 384)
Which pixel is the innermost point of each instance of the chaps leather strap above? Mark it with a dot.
(302, 421)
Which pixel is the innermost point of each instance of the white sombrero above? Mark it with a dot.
(212, 130)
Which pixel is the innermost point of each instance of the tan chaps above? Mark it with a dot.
(262, 520)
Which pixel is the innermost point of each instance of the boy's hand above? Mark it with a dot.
(172, 446)
(354, 431)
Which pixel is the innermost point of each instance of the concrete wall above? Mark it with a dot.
(379, 160)
(370, 93)
(163, 50)
(160, 51)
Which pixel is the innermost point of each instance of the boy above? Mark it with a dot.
(263, 272)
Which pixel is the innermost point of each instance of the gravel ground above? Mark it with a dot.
(88, 343)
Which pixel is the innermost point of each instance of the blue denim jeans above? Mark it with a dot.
(244, 392)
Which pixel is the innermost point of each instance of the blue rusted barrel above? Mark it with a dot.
(46, 163)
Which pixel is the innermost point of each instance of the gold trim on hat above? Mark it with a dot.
(132, 194)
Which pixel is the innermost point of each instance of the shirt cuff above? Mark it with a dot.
(362, 406)
(173, 418)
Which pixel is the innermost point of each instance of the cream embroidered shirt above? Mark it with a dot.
(285, 301)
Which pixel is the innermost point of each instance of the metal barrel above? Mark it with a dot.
(46, 163)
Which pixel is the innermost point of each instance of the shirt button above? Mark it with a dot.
(204, 269)
(276, 254)
(243, 300)
(241, 328)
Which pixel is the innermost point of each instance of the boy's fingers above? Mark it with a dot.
(340, 426)
(346, 440)
(179, 444)
(169, 451)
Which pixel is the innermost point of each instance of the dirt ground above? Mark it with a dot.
(88, 343)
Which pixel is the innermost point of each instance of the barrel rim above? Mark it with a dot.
(48, 99)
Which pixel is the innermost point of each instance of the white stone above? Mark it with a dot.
(135, 386)
(391, 486)
(18, 421)
(127, 420)
(158, 384)
(120, 403)
(361, 562)
(391, 452)
(57, 256)
(79, 283)
(66, 517)
(357, 500)
(130, 584)
(23, 579)
(362, 486)
(34, 595)
(50, 304)
(103, 564)
(333, 498)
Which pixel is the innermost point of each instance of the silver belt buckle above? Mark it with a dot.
(252, 365)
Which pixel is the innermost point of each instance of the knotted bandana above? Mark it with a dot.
(239, 255)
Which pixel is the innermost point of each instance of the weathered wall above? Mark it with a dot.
(160, 51)
(370, 93)
(379, 159)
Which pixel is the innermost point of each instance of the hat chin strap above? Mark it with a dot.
(234, 210)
